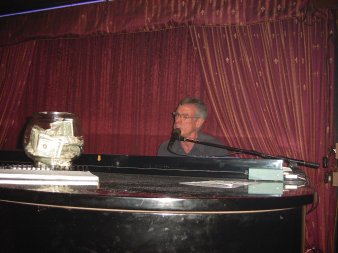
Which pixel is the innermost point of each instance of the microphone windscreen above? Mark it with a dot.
(176, 133)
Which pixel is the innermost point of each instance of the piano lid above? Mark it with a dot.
(219, 167)
(228, 167)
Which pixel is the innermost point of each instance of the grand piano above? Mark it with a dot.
(156, 204)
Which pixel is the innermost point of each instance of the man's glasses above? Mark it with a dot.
(183, 116)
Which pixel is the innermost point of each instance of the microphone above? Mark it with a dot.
(175, 135)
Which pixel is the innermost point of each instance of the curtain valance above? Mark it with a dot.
(143, 15)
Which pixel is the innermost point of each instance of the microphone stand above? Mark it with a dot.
(293, 163)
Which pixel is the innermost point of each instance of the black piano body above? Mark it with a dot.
(144, 204)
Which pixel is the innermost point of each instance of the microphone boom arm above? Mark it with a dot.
(291, 161)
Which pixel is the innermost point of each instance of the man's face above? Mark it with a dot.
(186, 120)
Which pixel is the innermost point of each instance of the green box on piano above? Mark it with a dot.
(266, 174)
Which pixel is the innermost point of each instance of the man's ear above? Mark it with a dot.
(199, 122)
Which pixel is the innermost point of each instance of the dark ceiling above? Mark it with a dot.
(16, 7)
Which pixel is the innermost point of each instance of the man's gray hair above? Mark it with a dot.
(202, 110)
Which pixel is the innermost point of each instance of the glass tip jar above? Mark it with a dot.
(53, 139)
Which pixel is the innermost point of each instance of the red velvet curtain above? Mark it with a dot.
(143, 16)
(269, 86)
(124, 85)
(124, 99)
(15, 66)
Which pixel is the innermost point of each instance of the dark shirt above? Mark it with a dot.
(197, 150)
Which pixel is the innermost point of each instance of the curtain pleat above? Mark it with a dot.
(15, 65)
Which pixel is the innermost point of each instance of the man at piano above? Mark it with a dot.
(189, 118)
